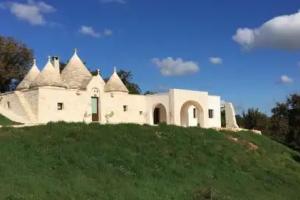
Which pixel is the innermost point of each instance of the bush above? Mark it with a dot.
(254, 119)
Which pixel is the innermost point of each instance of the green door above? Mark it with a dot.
(95, 109)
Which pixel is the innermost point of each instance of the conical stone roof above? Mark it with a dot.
(29, 78)
(48, 77)
(100, 77)
(115, 84)
(75, 75)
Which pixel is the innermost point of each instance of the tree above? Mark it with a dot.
(223, 118)
(254, 119)
(240, 120)
(148, 92)
(15, 60)
(285, 122)
(294, 120)
(126, 77)
(279, 122)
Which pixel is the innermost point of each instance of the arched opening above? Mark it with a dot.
(159, 114)
(191, 114)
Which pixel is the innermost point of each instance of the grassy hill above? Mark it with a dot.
(6, 122)
(78, 161)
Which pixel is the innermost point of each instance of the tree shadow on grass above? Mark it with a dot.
(296, 157)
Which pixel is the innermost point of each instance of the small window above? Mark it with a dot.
(60, 106)
(125, 108)
(8, 105)
(194, 113)
(211, 113)
(141, 112)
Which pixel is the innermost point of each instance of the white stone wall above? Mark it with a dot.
(43, 105)
(214, 103)
(192, 120)
(76, 104)
(230, 116)
(112, 108)
(201, 100)
(180, 97)
(31, 97)
(15, 110)
(152, 101)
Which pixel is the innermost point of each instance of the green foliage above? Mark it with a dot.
(126, 77)
(283, 125)
(254, 119)
(79, 161)
(6, 122)
(149, 92)
(279, 122)
(15, 60)
(240, 120)
(223, 118)
(285, 122)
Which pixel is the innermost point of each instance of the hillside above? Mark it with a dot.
(78, 161)
(6, 122)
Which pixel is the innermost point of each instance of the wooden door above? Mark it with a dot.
(156, 117)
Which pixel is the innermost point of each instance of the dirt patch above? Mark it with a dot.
(249, 145)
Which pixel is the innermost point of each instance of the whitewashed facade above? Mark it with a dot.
(74, 95)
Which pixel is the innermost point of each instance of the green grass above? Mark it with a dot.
(78, 161)
(6, 122)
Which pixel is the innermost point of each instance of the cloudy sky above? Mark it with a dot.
(248, 52)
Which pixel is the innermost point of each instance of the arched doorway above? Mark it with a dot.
(191, 114)
(159, 114)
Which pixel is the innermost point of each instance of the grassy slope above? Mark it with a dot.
(77, 161)
(6, 122)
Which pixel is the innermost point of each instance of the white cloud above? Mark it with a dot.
(90, 31)
(282, 32)
(216, 60)
(286, 80)
(175, 67)
(113, 1)
(31, 12)
(107, 32)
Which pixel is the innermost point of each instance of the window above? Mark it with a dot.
(60, 106)
(125, 108)
(8, 105)
(194, 113)
(141, 112)
(211, 113)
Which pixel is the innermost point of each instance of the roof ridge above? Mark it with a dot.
(75, 74)
(29, 77)
(115, 84)
(48, 77)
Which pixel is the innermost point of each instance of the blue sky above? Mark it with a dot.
(245, 51)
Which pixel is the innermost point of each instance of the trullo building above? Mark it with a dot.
(74, 95)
